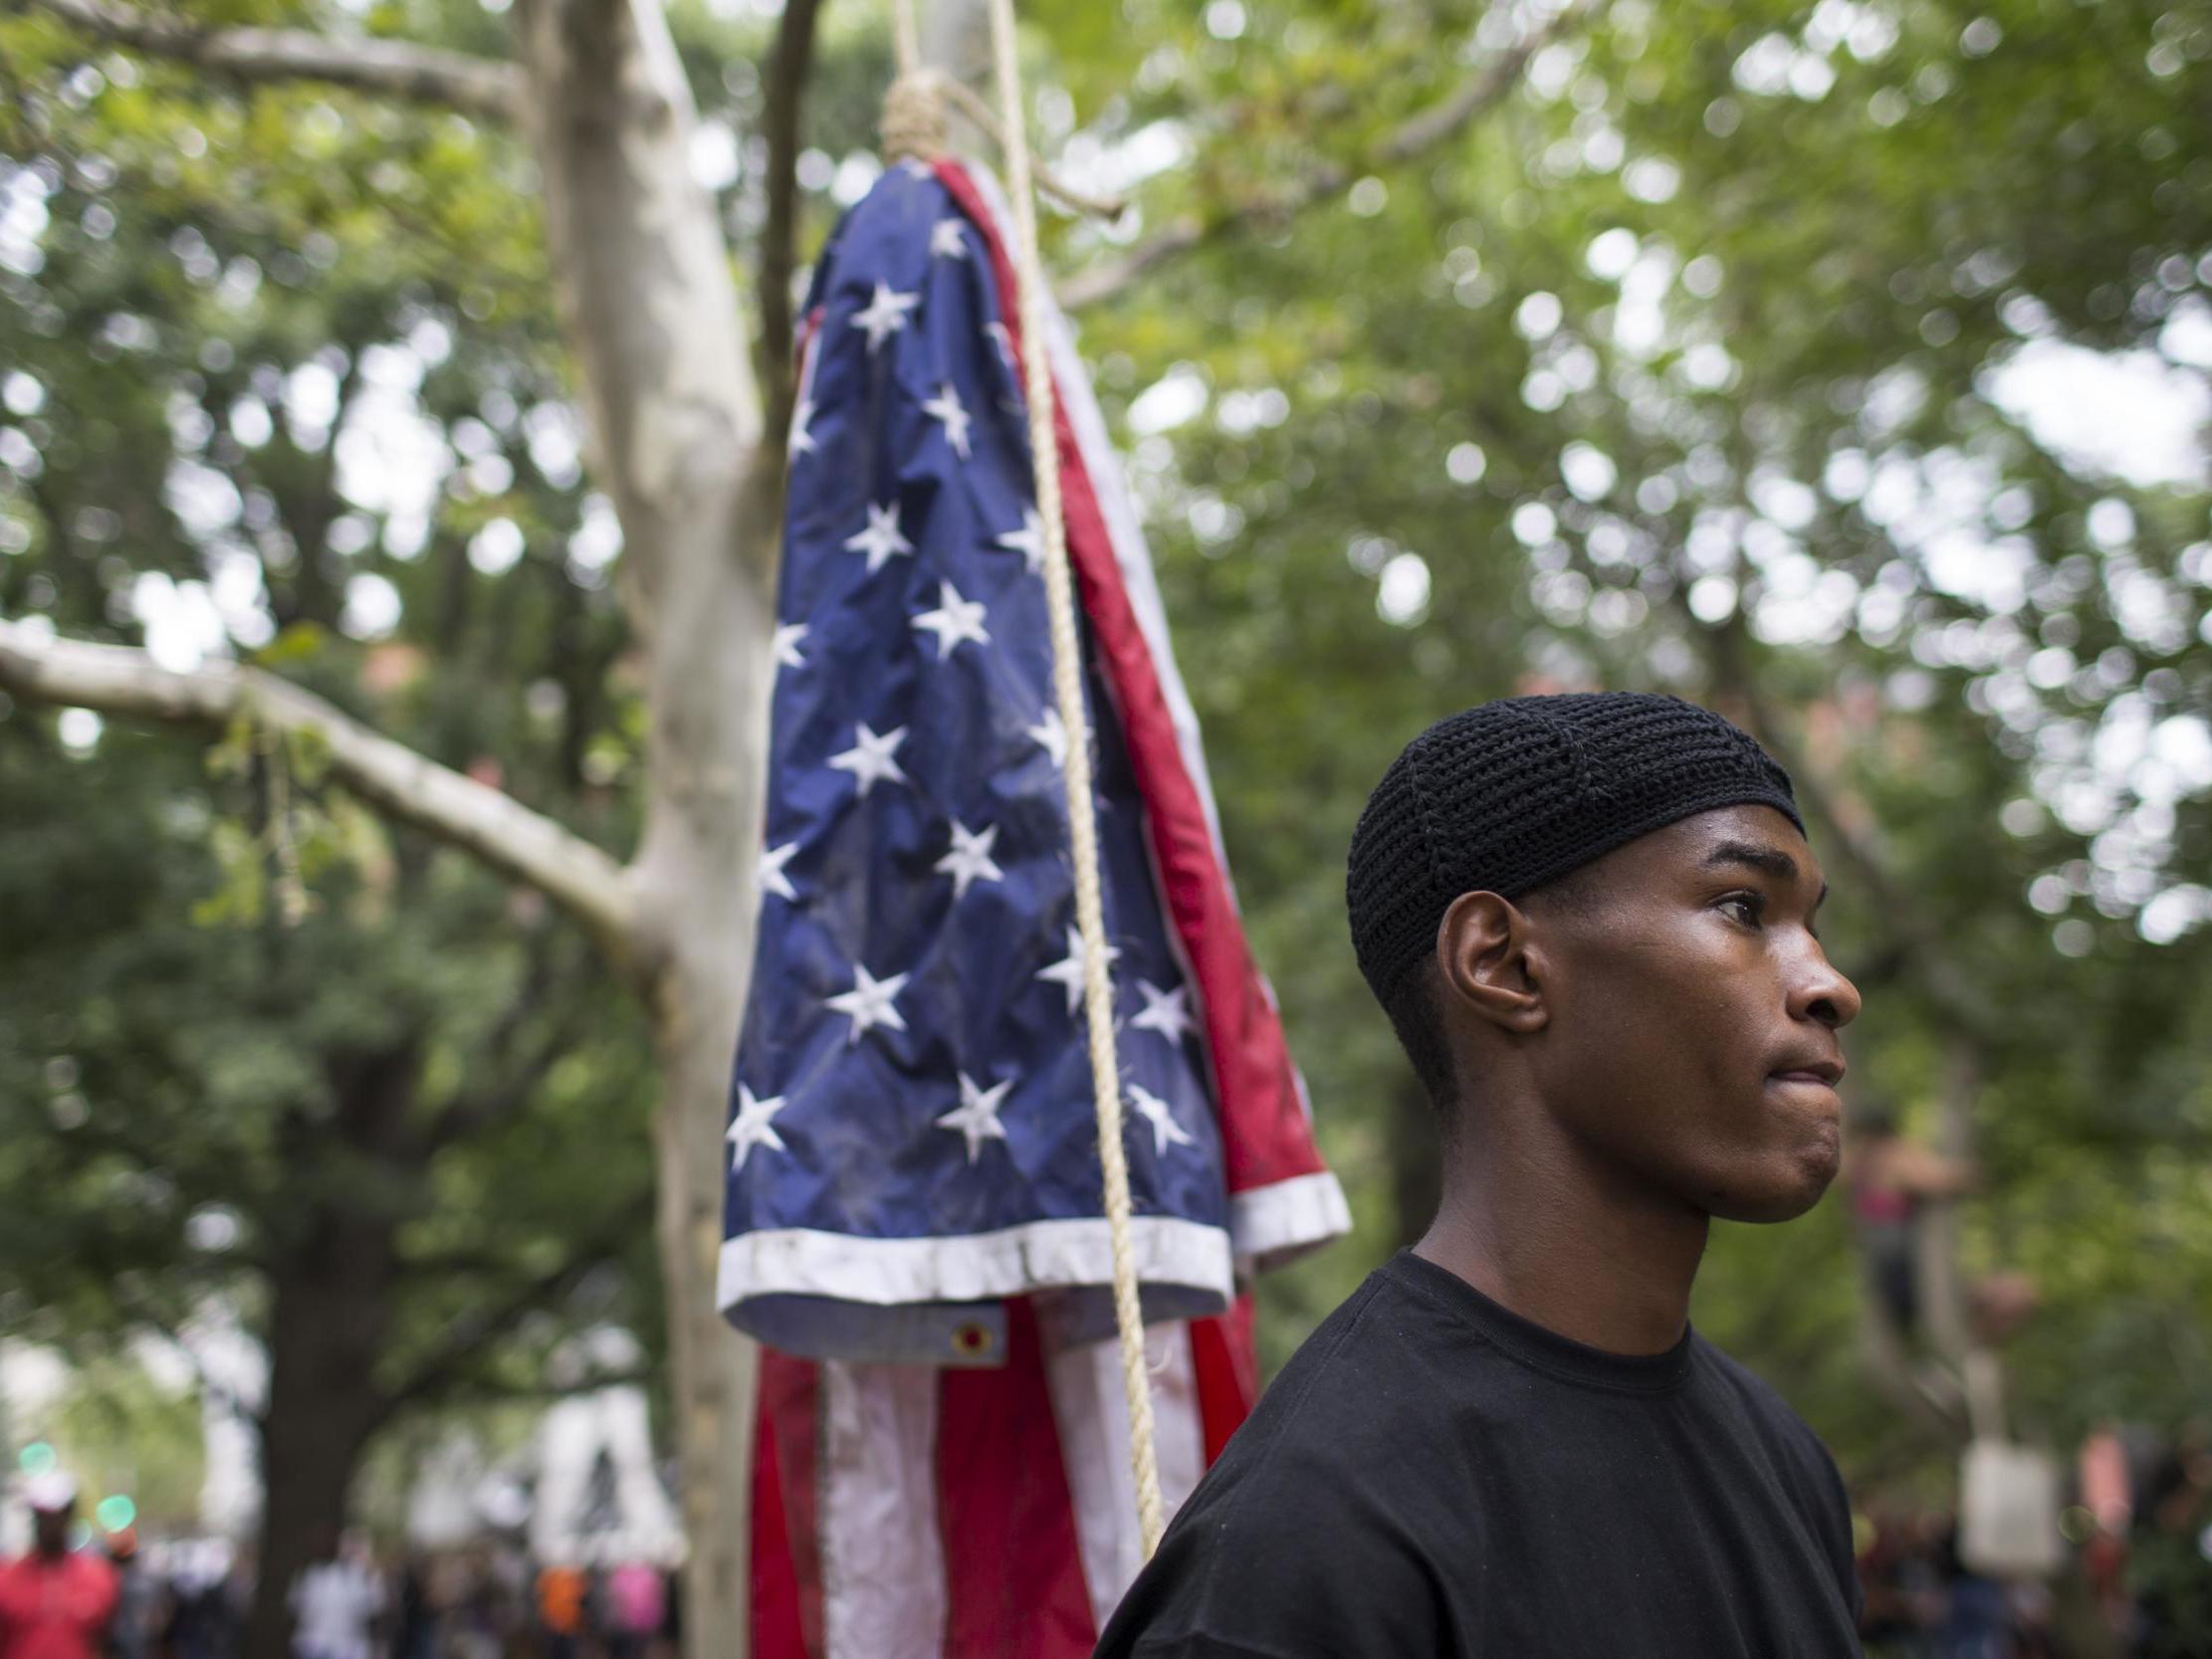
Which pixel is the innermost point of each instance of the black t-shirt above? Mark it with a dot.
(1433, 1475)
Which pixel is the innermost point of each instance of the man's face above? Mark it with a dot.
(1693, 1039)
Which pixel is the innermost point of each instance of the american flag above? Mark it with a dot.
(914, 1218)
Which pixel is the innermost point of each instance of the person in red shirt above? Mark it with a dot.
(55, 1603)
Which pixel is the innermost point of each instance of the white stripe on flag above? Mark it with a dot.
(1092, 1412)
(883, 1567)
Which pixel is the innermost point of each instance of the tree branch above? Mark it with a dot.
(1479, 93)
(396, 69)
(497, 828)
(788, 73)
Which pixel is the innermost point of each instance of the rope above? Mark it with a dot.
(906, 38)
(914, 124)
(913, 117)
(1090, 921)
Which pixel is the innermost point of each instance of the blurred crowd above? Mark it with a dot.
(2138, 1587)
(68, 1598)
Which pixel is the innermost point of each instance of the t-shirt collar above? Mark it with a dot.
(1532, 1344)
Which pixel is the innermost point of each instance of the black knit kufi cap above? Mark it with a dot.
(1515, 793)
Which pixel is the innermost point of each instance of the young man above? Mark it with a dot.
(1591, 921)
(55, 1603)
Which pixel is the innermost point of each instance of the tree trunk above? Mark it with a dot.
(327, 1314)
(697, 902)
(652, 315)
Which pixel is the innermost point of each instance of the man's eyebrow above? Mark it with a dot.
(1769, 860)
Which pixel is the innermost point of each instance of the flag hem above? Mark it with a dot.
(970, 1267)
(1285, 1220)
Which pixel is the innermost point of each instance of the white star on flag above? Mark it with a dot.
(915, 167)
(787, 636)
(1001, 338)
(977, 1116)
(769, 875)
(1051, 735)
(1028, 540)
(1166, 1132)
(885, 315)
(802, 441)
(1167, 1012)
(751, 1127)
(955, 619)
(881, 538)
(869, 1003)
(970, 859)
(946, 407)
(946, 242)
(869, 759)
(1069, 971)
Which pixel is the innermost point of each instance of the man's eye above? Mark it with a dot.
(1746, 908)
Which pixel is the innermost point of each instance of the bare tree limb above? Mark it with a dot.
(396, 69)
(505, 834)
(790, 70)
(1479, 93)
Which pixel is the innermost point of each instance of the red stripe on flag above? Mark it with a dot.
(1013, 1574)
(1227, 1368)
(775, 1620)
(789, 1551)
(1265, 1136)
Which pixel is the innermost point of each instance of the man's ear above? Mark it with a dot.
(1489, 960)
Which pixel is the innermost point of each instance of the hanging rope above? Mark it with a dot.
(914, 120)
(1090, 922)
(906, 38)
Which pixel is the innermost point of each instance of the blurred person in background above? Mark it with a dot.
(560, 1609)
(1890, 1177)
(208, 1588)
(2168, 1566)
(1903, 1600)
(335, 1603)
(141, 1601)
(55, 1603)
(635, 1608)
(425, 1594)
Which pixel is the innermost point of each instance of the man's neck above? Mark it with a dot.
(1547, 1233)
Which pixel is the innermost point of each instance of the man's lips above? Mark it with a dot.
(1824, 1072)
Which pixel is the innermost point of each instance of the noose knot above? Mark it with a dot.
(914, 116)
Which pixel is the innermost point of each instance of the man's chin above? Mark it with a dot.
(1781, 1190)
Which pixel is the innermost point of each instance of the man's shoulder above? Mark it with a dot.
(1366, 1415)
(1788, 1436)
(1759, 1400)
(1384, 1361)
